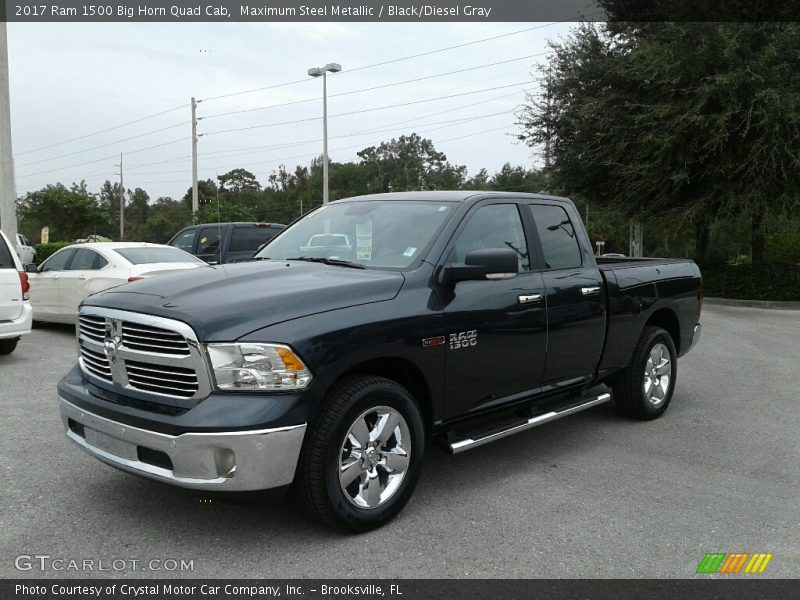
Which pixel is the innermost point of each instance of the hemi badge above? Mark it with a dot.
(434, 341)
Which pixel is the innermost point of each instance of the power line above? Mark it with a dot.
(359, 145)
(373, 88)
(91, 162)
(121, 125)
(115, 142)
(271, 146)
(383, 129)
(373, 109)
(388, 62)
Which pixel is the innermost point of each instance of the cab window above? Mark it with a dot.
(185, 241)
(209, 241)
(493, 226)
(559, 242)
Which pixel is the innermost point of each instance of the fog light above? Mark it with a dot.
(225, 461)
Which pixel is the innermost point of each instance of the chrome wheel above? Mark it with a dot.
(374, 457)
(657, 374)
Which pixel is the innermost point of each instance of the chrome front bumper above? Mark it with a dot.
(226, 461)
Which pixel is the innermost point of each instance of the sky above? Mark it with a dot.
(73, 80)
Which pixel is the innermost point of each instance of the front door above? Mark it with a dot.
(46, 284)
(496, 329)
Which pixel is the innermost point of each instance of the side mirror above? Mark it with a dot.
(31, 268)
(479, 265)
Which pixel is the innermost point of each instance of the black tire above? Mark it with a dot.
(318, 481)
(629, 387)
(8, 346)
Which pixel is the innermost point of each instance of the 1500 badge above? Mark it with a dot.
(463, 339)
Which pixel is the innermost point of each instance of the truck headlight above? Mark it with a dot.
(249, 366)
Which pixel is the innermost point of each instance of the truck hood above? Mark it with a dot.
(225, 302)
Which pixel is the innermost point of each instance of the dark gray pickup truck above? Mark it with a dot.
(362, 332)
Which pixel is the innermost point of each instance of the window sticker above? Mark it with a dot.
(410, 251)
(364, 241)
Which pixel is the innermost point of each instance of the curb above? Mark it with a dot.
(774, 304)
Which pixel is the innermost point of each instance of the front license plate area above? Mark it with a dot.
(110, 444)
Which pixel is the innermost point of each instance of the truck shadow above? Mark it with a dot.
(195, 518)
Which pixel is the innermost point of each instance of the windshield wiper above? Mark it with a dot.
(329, 261)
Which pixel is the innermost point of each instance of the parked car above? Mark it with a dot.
(461, 317)
(218, 243)
(15, 306)
(68, 276)
(26, 252)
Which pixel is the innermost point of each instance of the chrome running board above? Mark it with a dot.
(469, 443)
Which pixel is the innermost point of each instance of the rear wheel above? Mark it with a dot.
(363, 456)
(8, 346)
(644, 390)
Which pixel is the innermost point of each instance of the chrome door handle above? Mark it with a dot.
(529, 298)
(590, 291)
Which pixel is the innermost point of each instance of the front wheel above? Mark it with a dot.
(362, 458)
(644, 389)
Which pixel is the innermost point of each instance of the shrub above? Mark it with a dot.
(752, 282)
(43, 251)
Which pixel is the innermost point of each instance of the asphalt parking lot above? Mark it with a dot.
(594, 495)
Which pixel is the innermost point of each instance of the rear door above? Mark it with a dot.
(10, 286)
(575, 297)
(46, 284)
(496, 329)
(245, 240)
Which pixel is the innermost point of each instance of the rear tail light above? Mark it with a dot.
(132, 279)
(26, 285)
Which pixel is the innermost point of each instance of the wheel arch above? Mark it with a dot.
(404, 372)
(667, 319)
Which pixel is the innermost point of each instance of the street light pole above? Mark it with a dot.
(323, 72)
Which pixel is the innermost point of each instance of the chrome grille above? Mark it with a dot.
(93, 327)
(153, 339)
(161, 379)
(142, 354)
(96, 363)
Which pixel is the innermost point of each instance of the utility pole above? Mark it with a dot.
(121, 203)
(195, 200)
(547, 128)
(8, 208)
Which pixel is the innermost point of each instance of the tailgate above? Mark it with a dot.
(10, 295)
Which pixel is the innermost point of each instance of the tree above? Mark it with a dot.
(409, 163)
(686, 121)
(165, 217)
(225, 212)
(136, 208)
(206, 192)
(238, 181)
(109, 199)
(69, 213)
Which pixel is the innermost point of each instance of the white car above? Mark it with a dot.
(15, 308)
(25, 251)
(61, 282)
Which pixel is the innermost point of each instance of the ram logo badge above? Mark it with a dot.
(463, 339)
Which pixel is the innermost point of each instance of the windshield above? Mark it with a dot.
(143, 256)
(380, 233)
